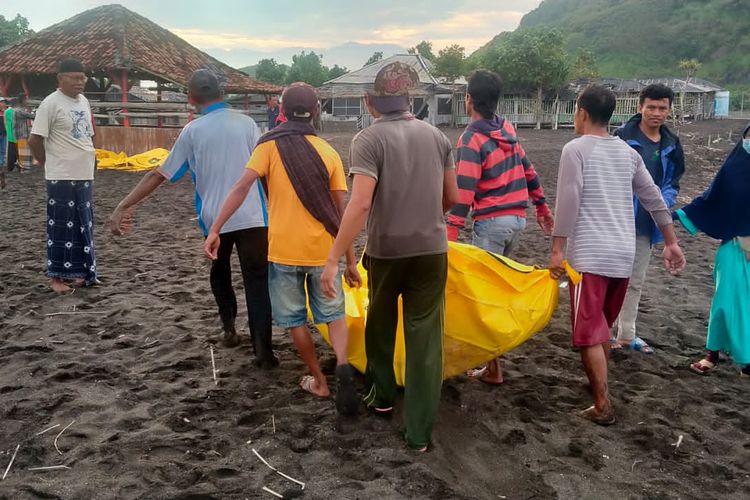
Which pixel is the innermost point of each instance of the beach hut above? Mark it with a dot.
(118, 48)
(342, 98)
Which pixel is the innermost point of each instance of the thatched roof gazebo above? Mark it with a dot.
(115, 43)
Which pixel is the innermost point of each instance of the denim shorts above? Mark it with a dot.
(498, 234)
(291, 287)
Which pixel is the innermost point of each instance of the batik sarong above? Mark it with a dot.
(70, 230)
(25, 158)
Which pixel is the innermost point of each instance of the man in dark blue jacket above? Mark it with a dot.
(662, 153)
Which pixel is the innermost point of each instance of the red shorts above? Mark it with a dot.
(595, 304)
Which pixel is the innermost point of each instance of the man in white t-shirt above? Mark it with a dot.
(61, 141)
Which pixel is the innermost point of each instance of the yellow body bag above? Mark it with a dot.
(493, 305)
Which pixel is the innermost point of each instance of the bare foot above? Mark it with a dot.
(58, 286)
(78, 282)
(491, 374)
(494, 374)
(309, 384)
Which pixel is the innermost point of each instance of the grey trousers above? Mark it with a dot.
(629, 313)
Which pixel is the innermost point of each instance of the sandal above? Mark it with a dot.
(592, 414)
(703, 366)
(306, 384)
(476, 372)
(639, 345)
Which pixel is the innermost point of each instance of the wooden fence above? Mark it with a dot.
(134, 140)
(526, 112)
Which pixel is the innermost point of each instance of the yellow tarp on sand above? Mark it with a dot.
(493, 305)
(137, 163)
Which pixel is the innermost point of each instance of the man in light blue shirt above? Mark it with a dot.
(214, 150)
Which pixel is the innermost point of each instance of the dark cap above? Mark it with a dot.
(70, 65)
(393, 83)
(204, 85)
(299, 101)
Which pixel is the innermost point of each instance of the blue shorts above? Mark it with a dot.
(290, 288)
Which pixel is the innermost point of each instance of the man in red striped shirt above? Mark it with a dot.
(495, 181)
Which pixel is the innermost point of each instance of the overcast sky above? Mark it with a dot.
(239, 32)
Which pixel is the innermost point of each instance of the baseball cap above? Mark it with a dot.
(299, 101)
(204, 84)
(392, 85)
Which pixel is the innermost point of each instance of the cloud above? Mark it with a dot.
(229, 41)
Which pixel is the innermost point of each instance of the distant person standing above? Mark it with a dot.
(61, 141)
(3, 141)
(21, 132)
(272, 113)
(12, 148)
(662, 153)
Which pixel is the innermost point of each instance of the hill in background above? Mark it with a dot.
(648, 38)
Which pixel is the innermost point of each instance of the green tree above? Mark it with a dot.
(13, 30)
(336, 72)
(451, 62)
(308, 68)
(268, 70)
(584, 65)
(531, 59)
(424, 49)
(377, 56)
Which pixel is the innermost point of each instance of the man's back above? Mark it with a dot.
(295, 237)
(407, 157)
(599, 172)
(215, 148)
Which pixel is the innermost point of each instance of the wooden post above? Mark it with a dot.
(24, 86)
(247, 103)
(124, 88)
(158, 99)
(5, 88)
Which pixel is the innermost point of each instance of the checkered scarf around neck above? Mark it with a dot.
(306, 171)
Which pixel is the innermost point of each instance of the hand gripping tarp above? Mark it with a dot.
(493, 305)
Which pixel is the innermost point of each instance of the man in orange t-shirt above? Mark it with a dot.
(306, 186)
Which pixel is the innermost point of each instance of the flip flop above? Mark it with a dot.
(702, 367)
(476, 372)
(639, 345)
(306, 384)
(591, 414)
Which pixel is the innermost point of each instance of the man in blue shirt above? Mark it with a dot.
(273, 111)
(662, 153)
(214, 149)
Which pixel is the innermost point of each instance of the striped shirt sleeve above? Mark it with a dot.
(468, 172)
(569, 191)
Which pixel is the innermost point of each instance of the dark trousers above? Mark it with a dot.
(252, 250)
(12, 155)
(420, 282)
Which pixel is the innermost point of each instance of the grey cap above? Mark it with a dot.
(204, 84)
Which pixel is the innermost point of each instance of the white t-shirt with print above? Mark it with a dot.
(65, 124)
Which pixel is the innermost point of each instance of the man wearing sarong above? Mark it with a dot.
(61, 141)
(21, 131)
